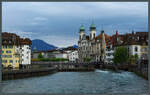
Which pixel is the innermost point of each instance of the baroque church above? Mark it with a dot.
(91, 46)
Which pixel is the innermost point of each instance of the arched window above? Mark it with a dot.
(136, 49)
(80, 37)
(94, 35)
(90, 35)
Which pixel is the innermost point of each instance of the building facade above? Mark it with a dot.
(91, 46)
(13, 54)
(102, 46)
(136, 43)
(69, 53)
(73, 56)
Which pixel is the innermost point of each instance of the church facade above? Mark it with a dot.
(91, 46)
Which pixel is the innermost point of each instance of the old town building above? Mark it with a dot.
(92, 46)
(137, 43)
(15, 51)
(102, 47)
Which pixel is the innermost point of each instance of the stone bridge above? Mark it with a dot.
(69, 66)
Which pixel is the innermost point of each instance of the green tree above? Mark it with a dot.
(87, 59)
(133, 59)
(120, 55)
(40, 55)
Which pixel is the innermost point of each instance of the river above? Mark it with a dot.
(102, 82)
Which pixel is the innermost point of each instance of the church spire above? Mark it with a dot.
(92, 27)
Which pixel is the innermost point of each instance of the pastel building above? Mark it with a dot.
(12, 50)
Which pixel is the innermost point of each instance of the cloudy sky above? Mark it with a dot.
(58, 23)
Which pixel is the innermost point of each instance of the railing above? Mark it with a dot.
(65, 63)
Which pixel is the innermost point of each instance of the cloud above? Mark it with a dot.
(82, 9)
(59, 22)
(60, 41)
(40, 19)
(22, 33)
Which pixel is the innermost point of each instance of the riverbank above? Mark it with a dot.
(140, 71)
(25, 73)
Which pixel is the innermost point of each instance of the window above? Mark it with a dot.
(9, 56)
(8, 51)
(136, 49)
(94, 35)
(5, 47)
(4, 61)
(130, 37)
(10, 47)
(10, 61)
(17, 61)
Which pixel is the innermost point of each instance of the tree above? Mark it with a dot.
(40, 55)
(120, 55)
(133, 59)
(87, 59)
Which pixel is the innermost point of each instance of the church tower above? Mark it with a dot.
(92, 31)
(81, 32)
(103, 47)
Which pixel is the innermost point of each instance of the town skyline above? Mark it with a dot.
(58, 24)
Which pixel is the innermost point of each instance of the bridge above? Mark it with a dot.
(73, 66)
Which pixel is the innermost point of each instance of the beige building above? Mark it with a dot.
(91, 46)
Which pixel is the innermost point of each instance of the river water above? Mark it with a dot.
(102, 82)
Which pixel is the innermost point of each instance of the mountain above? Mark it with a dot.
(75, 46)
(40, 45)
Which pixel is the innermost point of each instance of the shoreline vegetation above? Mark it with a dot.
(50, 59)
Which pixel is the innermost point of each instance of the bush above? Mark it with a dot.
(35, 59)
(40, 55)
(50, 59)
(121, 55)
(87, 59)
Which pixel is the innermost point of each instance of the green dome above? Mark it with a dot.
(82, 28)
(102, 31)
(92, 26)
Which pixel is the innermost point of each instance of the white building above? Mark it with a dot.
(136, 43)
(26, 54)
(73, 56)
(61, 54)
(109, 54)
(134, 50)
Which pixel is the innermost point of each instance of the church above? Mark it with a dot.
(91, 46)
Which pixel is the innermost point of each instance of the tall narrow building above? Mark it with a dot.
(103, 47)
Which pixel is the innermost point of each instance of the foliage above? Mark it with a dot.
(121, 55)
(87, 59)
(133, 58)
(40, 55)
(50, 59)
(35, 59)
